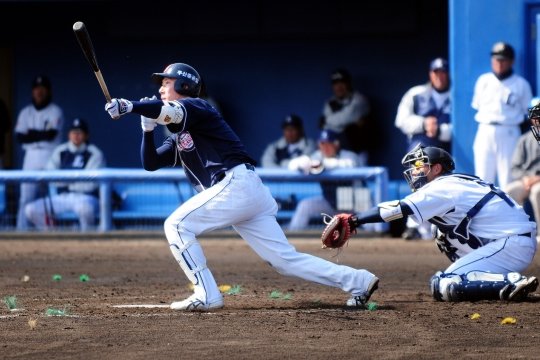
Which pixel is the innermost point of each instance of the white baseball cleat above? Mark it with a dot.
(361, 300)
(192, 303)
(519, 290)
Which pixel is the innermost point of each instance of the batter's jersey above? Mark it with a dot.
(50, 117)
(203, 143)
(447, 202)
(501, 102)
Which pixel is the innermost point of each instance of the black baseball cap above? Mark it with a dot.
(438, 64)
(79, 124)
(41, 80)
(292, 120)
(340, 75)
(502, 50)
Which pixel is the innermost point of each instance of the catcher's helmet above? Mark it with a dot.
(421, 156)
(188, 80)
(534, 118)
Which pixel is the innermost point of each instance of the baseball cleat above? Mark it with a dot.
(192, 303)
(361, 300)
(519, 290)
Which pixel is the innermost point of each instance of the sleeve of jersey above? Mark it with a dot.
(428, 202)
(152, 158)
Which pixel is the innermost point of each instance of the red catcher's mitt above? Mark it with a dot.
(338, 230)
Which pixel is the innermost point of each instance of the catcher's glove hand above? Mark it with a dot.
(338, 230)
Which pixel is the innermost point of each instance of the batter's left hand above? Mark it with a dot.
(118, 107)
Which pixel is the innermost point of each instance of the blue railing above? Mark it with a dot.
(376, 176)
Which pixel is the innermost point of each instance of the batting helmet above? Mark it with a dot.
(188, 80)
(420, 156)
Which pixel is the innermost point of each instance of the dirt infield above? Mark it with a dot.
(272, 317)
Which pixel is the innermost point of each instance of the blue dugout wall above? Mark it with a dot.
(261, 60)
(475, 25)
(265, 59)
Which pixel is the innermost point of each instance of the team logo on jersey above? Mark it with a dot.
(184, 141)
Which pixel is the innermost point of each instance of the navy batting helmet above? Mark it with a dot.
(188, 80)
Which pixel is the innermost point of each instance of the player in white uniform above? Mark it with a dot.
(487, 236)
(502, 100)
(39, 129)
(229, 192)
(78, 197)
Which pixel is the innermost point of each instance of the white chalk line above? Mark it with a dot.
(146, 306)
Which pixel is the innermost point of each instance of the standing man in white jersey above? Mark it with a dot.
(501, 99)
(486, 235)
(39, 130)
(230, 193)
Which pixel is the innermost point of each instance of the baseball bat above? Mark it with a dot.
(83, 37)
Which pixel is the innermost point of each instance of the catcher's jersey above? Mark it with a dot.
(448, 201)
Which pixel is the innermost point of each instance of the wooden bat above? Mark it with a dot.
(83, 37)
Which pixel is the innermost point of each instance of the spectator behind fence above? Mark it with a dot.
(423, 115)
(526, 173)
(292, 144)
(501, 99)
(5, 128)
(78, 197)
(39, 130)
(346, 114)
(329, 156)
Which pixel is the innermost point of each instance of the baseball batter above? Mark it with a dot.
(39, 129)
(501, 99)
(229, 191)
(487, 236)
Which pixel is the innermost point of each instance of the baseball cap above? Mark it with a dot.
(502, 50)
(438, 64)
(328, 136)
(79, 124)
(340, 75)
(292, 120)
(41, 80)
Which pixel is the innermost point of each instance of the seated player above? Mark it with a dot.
(78, 197)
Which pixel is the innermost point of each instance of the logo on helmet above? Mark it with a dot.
(191, 77)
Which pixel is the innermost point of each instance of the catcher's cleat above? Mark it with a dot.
(192, 303)
(361, 300)
(520, 290)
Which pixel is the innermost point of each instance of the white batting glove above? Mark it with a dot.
(146, 98)
(118, 107)
(148, 124)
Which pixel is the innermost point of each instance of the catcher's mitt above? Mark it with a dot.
(338, 230)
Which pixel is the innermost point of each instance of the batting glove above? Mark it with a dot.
(118, 107)
(148, 124)
(146, 98)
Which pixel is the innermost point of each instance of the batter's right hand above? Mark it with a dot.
(118, 107)
(146, 98)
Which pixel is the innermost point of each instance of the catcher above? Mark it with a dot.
(486, 235)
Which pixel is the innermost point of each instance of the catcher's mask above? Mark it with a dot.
(534, 118)
(418, 162)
